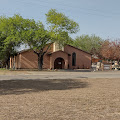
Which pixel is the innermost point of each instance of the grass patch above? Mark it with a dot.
(3, 69)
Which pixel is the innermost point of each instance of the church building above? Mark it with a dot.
(67, 57)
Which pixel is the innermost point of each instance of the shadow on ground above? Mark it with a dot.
(26, 86)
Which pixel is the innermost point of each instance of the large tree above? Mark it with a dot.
(15, 31)
(10, 29)
(91, 44)
(38, 38)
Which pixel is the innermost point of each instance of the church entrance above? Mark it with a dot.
(59, 63)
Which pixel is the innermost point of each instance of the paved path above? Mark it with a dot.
(60, 75)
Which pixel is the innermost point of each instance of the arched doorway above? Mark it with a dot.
(59, 63)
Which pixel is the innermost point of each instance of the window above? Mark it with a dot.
(73, 59)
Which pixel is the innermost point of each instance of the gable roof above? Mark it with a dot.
(49, 53)
(25, 50)
(79, 49)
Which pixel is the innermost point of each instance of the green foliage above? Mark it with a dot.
(10, 36)
(61, 22)
(35, 35)
(11, 28)
(88, 43)
(61, 26)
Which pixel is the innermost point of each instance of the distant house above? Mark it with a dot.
(67, 57)
(95, 59)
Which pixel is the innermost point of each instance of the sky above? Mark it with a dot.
(99, 17)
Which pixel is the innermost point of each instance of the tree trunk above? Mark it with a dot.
(7, 63)
(40, 57)
(40, 61)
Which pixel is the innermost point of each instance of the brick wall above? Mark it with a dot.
(83, 59)
(28, 59)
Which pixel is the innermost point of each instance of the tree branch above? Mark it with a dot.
(47, 48)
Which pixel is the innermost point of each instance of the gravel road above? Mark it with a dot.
(57, 75)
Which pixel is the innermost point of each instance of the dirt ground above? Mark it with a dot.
(64, 99)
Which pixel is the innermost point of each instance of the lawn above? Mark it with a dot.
(81, 99)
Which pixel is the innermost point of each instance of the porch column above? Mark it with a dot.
(50, 62)
(14, 63)
(66, 64)
(10, 62)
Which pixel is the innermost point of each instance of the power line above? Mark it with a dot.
(95, 10)
(81, 10)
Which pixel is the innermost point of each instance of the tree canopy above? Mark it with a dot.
(60, 22)
(110, 50)
(88, 43)
(61, 26)
(10, 35)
